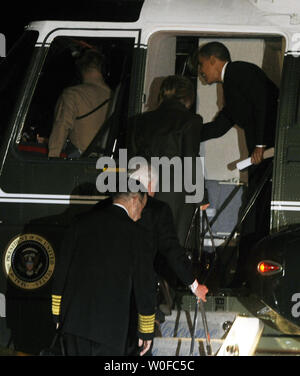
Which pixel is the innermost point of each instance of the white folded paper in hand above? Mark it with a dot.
(269, 153)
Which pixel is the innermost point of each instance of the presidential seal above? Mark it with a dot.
(29, 261)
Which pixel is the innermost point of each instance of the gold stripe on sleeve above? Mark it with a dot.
(146, 323)
(56, 301)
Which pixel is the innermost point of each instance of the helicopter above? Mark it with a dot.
(39, 196)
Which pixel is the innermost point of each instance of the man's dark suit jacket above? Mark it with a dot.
(250, 102)
(102, 259)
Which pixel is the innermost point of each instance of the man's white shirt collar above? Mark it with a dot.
(121, 206)
(223, 71)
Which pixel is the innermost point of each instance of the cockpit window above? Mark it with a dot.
(12, 74)
(72, 112)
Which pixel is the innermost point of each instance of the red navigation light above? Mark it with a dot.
(268, 267)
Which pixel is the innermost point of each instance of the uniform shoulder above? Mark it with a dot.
(88, 216)
(105, 214)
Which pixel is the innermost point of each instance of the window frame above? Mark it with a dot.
(34, 71)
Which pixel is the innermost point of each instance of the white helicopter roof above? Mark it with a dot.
(233, 12)
(261, 16)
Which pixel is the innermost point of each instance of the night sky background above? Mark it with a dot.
(14, 16)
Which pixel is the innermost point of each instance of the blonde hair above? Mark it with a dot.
(177, 87)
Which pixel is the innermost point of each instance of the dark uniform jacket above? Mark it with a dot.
(102, 260)
(250, 102)
(162, 240)
(170, 131)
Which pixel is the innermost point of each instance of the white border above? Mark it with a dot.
(30, 198)
(285, 205)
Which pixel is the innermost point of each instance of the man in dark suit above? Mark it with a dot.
(250, 102)
(160, 242)
(104, 259)
(160, 232)
(250, 98)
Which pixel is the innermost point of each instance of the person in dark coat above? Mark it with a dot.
(104, 259)
(171, 131)
(157, 219)
(167, 253)
(250, 98)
